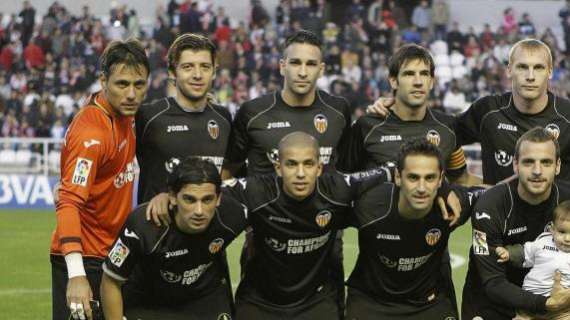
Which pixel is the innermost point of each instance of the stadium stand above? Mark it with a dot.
(48, 60)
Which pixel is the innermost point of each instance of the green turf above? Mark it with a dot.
(25, 269)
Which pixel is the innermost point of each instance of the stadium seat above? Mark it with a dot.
(7, 157)
(23, 157)
(54, 160)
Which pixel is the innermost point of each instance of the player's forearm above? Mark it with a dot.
(505, 293)
(68, 227)
(111, 298)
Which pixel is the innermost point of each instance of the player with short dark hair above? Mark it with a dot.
(376, 141)
(402, 239)
(176, 271)
(512, 213)
(262, 122)
(187, 124)
(97, 174)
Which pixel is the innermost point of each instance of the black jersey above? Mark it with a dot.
(167, 266)
(261, 123)
(375, 141)
(497, 124)
(493, 290)
(292, 239)
(166, 134)
(399, 259)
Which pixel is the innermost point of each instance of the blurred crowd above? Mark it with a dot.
(48, 61)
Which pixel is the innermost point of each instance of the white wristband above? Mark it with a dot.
(74, 263)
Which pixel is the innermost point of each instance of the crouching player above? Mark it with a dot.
(175, 271)
(550, 252)
(402, 236)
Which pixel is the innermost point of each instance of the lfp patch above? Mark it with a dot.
(119, 253)
(81, 173)
(480, 246)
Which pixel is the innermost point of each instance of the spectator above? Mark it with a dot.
(421, 17)
(399, 15)
(28, 16)
(440, 19)
(34, 55)
(526, 27)
(375, 12)
(564, 15)
(455, 38)
(7, 57)
(454, 100)
(509, 22)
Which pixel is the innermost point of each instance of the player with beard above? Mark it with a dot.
(97, 174)
(175, 271)
(511, 213)
(498, 121)
(188, 124)
(402, 239)
(261, 123)
(377, 141)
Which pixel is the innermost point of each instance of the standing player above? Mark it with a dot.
(377, 141)
(514, 213)
(97, 173)
(261, 123)
(175, 271)
(173, 128)
(402, 238)
(498, 121)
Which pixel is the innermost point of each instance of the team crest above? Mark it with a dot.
(170, 277)
(553, 129)
(213, 129)
(323, 218)
(433, 137)
(171, 164)
(216, 245)
(273, 155)
(224, 316)
(503, 158)
(549, 227)
(433, 236)
(321, 123)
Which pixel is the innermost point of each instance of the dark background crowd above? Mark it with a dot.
(48, 60)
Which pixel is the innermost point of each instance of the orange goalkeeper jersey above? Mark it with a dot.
(97, 173)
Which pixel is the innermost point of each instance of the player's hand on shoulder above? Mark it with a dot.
(502, 254)
(380, 108)
(454, 204)
(157, 209)
(78, 296)
(559, 299)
